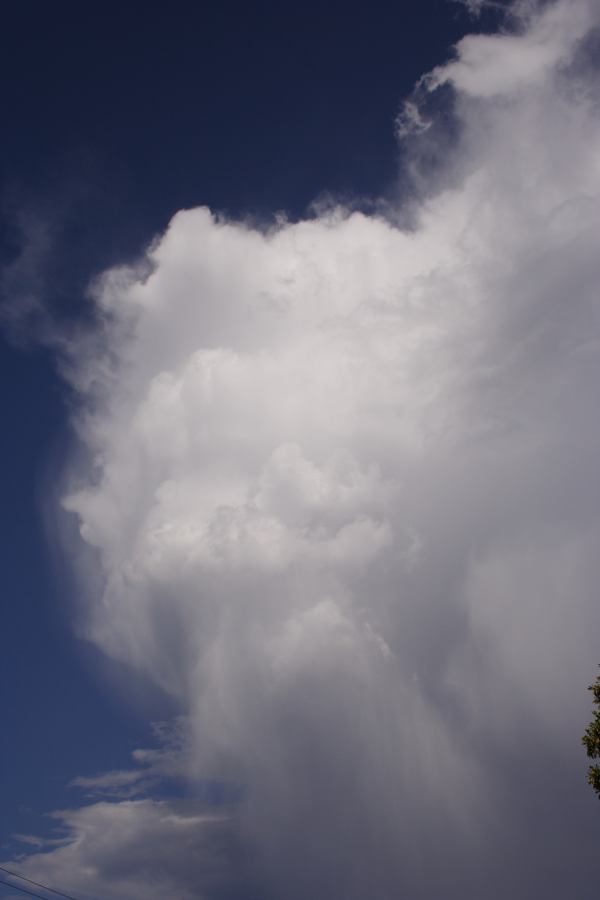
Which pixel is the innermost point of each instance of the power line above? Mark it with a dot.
(15, 887)
(39, 884)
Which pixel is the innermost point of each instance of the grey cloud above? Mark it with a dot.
(22, 279)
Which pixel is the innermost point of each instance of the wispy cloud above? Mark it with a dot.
(152, 766)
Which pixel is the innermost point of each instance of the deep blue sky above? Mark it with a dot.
(113, 119)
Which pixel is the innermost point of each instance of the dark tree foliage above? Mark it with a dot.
(591, 739)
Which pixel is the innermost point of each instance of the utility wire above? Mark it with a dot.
(15, 887)
(39, 884)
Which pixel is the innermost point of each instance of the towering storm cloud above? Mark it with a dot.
(340, 500)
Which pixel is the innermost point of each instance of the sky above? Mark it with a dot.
(300, 351)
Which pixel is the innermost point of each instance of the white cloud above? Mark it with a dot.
(490, 65)
(343, 498)
(148, 849)
(138, 839)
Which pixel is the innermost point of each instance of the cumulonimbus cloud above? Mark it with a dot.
(342, 497)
